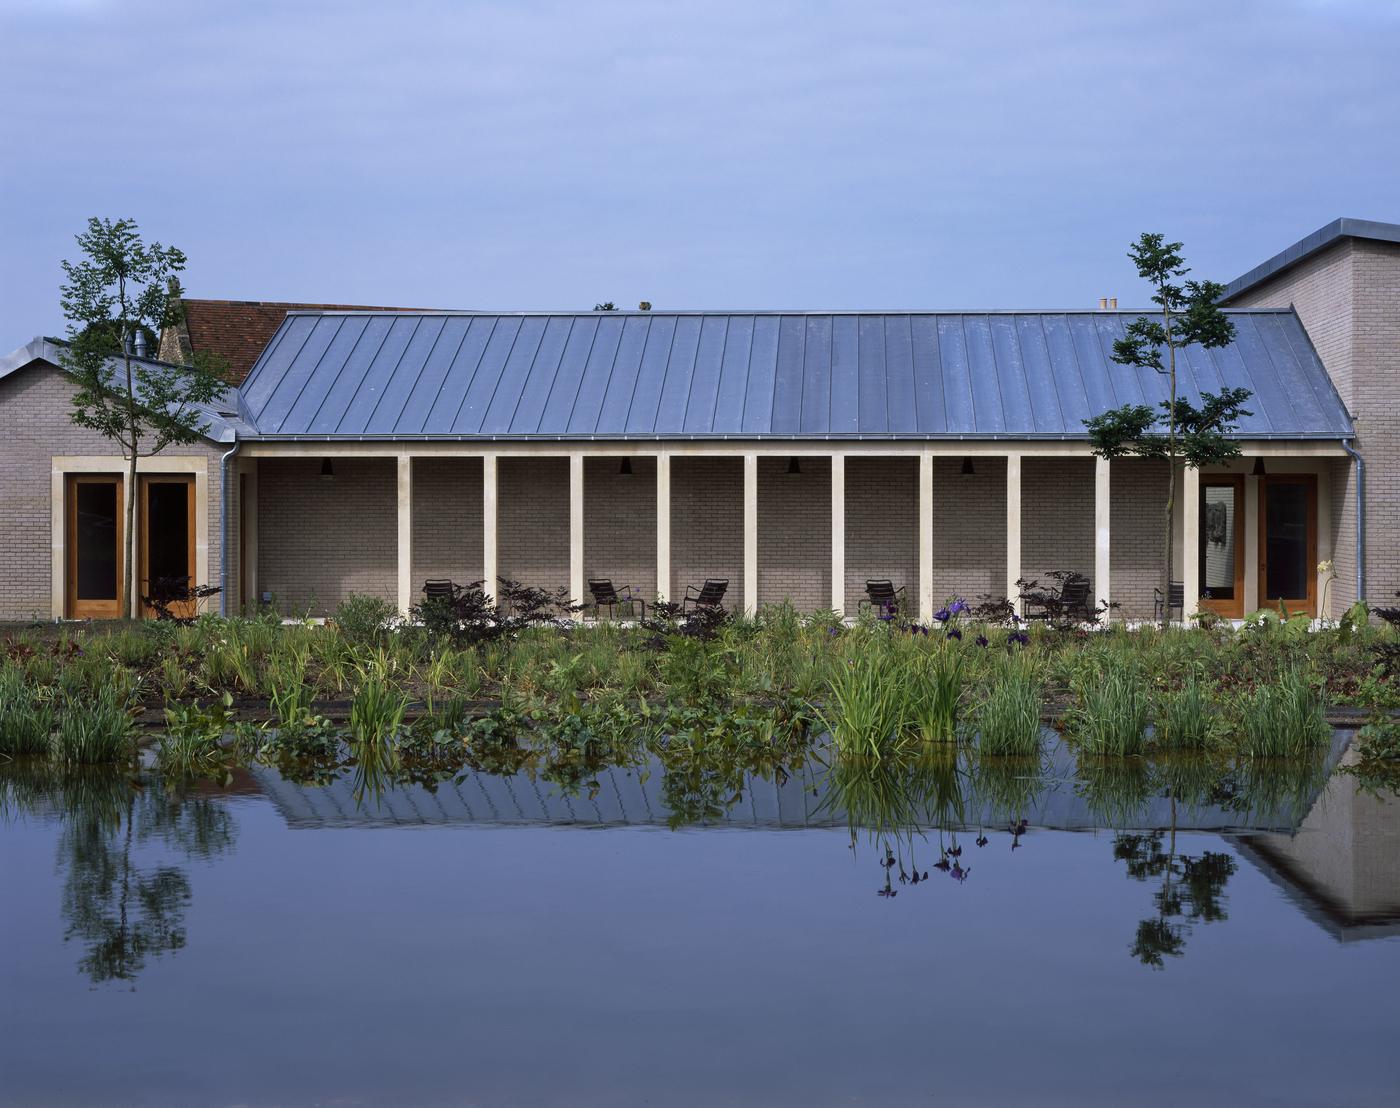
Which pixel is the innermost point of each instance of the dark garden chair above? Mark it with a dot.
(605, 595)
(439, 589)
(1072, 601)
(708, 595)
(1176, 598)
(881, 594)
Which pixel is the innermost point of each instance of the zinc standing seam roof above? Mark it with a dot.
(755, 375)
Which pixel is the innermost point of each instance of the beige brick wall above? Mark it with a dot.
(882, 527)
(447, 521)
(532, 521)
(1348, 298)
(320, 540)
(1137, 500)
(34, 428)
(707, 525)
(969, 529)
(619, 524)
(794, 533)
(1057, 516)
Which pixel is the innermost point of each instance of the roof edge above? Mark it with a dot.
(1309, 245)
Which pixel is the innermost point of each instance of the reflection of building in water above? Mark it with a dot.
(1343, 865)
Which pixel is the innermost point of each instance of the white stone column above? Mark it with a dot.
(1013, 529)
(489, 572)
(750, 533)
(663, 527)
(1190, 541)
(838, 532)
(576, 531)
(1103, 491)
(1252, 584)
(926, 537)
(405, 533)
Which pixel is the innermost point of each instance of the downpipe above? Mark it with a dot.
(1360, 518)
(223, 527)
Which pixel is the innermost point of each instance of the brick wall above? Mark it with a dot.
(619, 524)
(447, 521)
(707, 525)
(532, 521)
(1137, 499)
(34, 427)
(882, 526)
(794, 533)
(1348, 298)
(320, 540)
(1057, 516)
(969, 529)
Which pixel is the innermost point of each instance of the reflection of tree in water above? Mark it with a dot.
(1192, 891)
(123, 906)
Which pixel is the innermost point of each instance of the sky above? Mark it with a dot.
(880, 154)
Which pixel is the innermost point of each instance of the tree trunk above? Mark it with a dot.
(129, 554)
(1167, 549)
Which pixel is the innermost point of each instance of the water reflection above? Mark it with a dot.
(122, 905)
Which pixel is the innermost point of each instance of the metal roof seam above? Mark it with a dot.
(1287, 392)
(250, 381)
(641, 361)
(338, 327)
(316, 415)
(582, 374)
(1054, 378)
(418, 373)
(719, 375)
(505, 365)
(554, 377)
(607, 383)
(446, 373)
(408, 345)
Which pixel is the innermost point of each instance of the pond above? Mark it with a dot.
(502, 940)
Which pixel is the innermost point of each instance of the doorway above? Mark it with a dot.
(1221, 554)
(167, 544)
(96, 524)
(1288, 542)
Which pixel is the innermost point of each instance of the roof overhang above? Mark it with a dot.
(1309, 245)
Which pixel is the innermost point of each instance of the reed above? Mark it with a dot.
(1007, 720)
(1111, 715)
(26, 718)
(376, 713)
(1187, 720)
(1282, 720)
(933, 683)
(94, 729)
(865, 710)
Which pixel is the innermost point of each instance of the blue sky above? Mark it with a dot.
(699, 155)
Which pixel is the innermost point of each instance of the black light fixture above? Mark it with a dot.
(794, 467)
(625, 469)
(1258, 470)
(327, 470)
(967, 470)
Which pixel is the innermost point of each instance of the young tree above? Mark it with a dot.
(118, 290)
(1195, 436)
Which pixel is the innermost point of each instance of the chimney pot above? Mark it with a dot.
(1103, 303)
(1113, 302)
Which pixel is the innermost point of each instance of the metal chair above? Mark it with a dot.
(439, 589)
(708, 595)
(1176, 598)
(1071, 600)
(880, 593)
(605, 595)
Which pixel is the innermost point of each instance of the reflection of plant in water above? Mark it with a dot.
(123, 909)
(1009, 787)
(1115, 789)
(1192, 891)
(1377, 768)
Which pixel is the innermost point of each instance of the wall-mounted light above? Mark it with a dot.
(1258, 470)
(794, 467)
(327, 470)
(625, 469)
(967, 470)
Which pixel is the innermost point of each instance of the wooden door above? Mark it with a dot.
(167, 542)
(1221, 554)
(1288, 542)
(94, 546)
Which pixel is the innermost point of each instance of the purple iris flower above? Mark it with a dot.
(943, 615)
(980, 640)
(957, 606)
(954, 633)
(1019, 636)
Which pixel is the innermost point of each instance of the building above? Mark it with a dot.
(795, 454)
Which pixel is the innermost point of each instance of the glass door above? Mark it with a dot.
(94, 547)
(1221, 556)
(167, 544)
(1288, 542)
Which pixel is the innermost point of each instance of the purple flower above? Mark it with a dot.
(957, 606)
(1018, 636)
(943, 615)
(954, 633)
(980, 640)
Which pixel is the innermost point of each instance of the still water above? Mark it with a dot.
(502, 941)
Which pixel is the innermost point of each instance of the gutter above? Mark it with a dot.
(223, 527)
(1360, 518)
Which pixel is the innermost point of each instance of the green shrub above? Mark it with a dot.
(865, 709)
(192, 744)
(1187, 720)
(1282, 720)
(26, 718)
(94, 729)
(1007, 720)
(1112, 711)
(364, 620)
